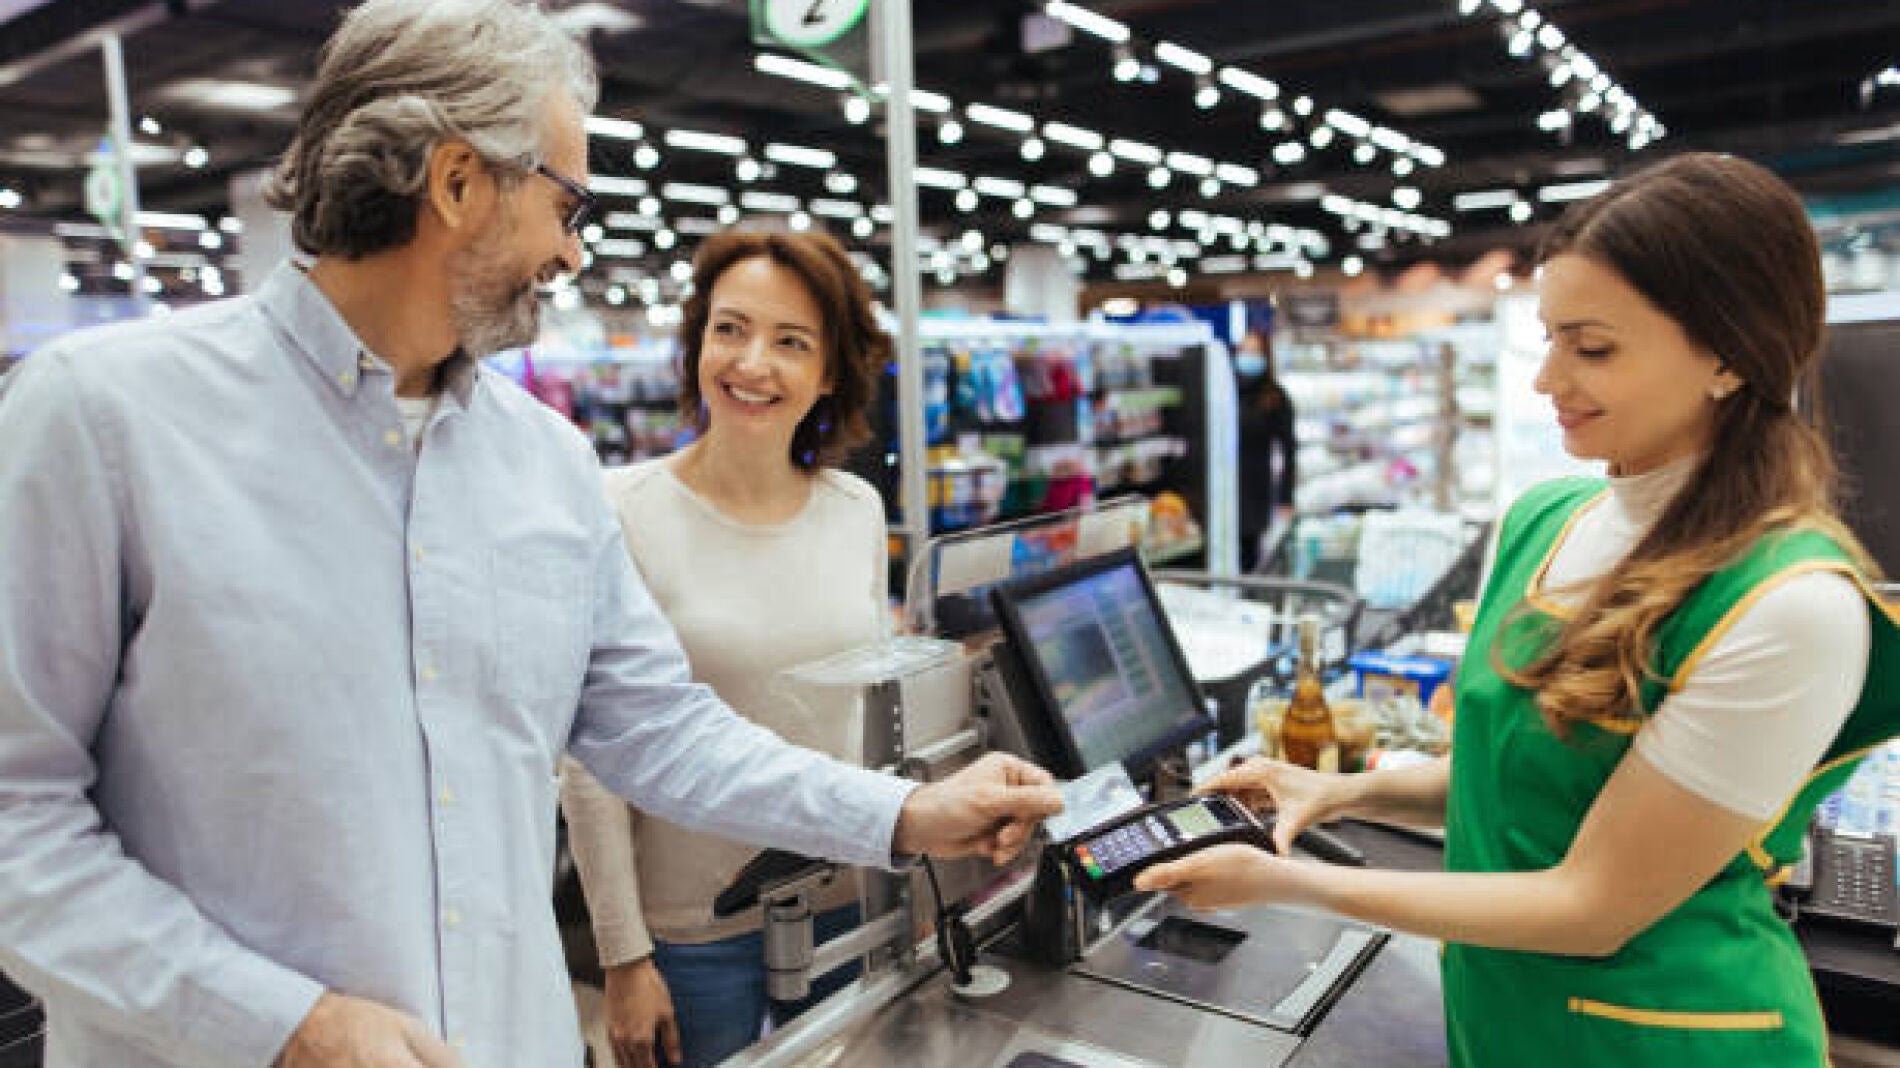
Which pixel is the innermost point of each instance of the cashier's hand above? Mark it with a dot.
(990, 807)
(1223, 876)
(1299, 797)
(347, 1032)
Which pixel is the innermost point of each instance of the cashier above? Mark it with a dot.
(1668, 670)
(300, 604)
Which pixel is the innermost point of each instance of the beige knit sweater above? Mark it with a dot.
(746, 601)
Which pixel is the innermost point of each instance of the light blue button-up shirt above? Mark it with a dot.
(281, 698)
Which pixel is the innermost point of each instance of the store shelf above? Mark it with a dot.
(1138, 398)
(1369, 416)
(1089, 404)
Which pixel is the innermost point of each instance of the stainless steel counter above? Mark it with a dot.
(1389, 1016)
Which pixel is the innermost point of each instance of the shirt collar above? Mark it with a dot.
(320, 332)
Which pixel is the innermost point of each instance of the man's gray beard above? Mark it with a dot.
(489, 312)
(485, 329)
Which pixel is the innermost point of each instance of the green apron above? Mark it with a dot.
(1721, 979)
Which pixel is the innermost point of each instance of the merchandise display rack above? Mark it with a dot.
(1371, 416)
(625, 396)
(1026, 418)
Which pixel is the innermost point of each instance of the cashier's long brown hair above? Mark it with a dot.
(1724, 248)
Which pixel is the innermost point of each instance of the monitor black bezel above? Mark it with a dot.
(1006, 597)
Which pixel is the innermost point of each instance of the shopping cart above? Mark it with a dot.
(1444, 569)
(1239, 629)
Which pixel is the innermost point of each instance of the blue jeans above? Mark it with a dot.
(719, 988)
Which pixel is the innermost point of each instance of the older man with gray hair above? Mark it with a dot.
(299, 605)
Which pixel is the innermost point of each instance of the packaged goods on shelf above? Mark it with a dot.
(1375, 424)
(625, 398)
(1869, 802)
(1073, 412)
(1382, 673)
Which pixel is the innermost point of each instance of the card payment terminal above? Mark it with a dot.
(1106, 859)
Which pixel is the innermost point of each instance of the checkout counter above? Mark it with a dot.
(1078, 670)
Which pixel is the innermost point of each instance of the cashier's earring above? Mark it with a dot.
(1719, 391)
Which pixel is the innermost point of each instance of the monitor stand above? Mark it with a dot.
(1170, 779)
(1274, 966)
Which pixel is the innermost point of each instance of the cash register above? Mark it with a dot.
(1087, 675)
(1076, 669)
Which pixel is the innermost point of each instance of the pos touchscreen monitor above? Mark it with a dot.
(1101, 664)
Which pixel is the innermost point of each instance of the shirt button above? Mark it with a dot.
(392, 438)
(447, 796)
(428, 673)
(418, 554)
(451, 917)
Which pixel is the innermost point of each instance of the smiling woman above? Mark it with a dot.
(1684, 306)
(811, 301)
(762, 556)
(1667, 673)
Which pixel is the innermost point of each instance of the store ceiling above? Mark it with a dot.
(1792, 83)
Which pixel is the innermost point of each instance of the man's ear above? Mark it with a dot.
(455, 179)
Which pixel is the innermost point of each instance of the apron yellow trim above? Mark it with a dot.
(1760, 855)
(1534, 593)
(1682, 1021)
(1735, 613)
(1756, 851)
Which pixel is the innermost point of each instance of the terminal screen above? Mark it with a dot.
(1193, 821)
(1110, 667)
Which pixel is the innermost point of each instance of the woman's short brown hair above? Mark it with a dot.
(855, 347)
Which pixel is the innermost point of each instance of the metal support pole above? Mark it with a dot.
(114, 57)
(900, 141)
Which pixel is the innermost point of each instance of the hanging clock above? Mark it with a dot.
(812, 23)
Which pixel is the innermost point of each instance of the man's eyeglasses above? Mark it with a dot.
(584, 201)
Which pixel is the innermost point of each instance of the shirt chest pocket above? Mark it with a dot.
(541, 608)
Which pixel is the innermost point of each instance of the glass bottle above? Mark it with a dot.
(1306, 730)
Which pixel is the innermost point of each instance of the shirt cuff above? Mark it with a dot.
(870, 803)
(249, 1010)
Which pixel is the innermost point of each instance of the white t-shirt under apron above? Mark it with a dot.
(1755, 716)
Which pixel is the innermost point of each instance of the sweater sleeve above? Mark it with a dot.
(600, 830)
